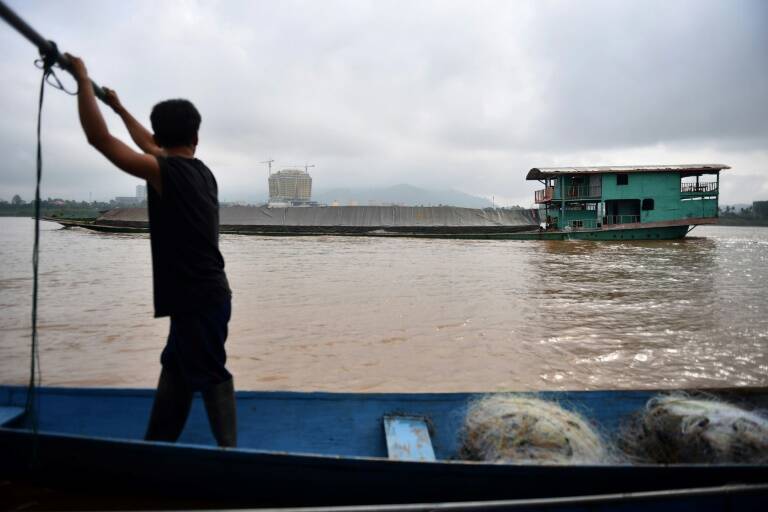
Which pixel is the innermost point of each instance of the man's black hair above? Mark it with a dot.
(175, 123)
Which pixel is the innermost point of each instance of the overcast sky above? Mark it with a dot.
(464, 95)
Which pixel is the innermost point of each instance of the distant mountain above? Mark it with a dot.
(407, 195)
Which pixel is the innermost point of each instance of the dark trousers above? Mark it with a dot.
(194, 360)
(195, 346)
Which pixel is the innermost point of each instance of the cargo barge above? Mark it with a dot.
(383, 221)
(577, 203)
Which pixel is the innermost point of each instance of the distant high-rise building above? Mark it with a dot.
(292, 186)
(140, 197)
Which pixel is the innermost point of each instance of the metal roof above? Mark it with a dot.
(538, 173)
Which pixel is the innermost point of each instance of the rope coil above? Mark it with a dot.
(46, 62)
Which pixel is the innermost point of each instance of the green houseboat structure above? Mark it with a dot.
(626, 202)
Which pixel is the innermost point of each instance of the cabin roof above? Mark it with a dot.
(538, 173)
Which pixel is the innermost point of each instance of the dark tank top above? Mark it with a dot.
(187, 266)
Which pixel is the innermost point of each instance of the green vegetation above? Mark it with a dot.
(17, 207)
(755, 215)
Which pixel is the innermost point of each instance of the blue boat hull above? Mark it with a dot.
(316, 448)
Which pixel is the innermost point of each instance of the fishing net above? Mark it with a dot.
(526, 430)
(678, 428)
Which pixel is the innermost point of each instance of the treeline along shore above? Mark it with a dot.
(54, 208)
(755, 215)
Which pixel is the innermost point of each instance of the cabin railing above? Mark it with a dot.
(621, 219)
(692, 189)
(582, 224)
(545, 195)
(583, 191)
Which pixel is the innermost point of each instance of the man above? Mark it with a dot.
(189, 281)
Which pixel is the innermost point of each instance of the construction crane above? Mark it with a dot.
(306, 167)
(269, 163)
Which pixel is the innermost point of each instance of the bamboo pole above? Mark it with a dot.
(43, 45)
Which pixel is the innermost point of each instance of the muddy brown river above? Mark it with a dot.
(372, 314)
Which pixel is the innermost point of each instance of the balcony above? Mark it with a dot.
(573, 192)
(698, 189)
(584, 192)
(545, 195)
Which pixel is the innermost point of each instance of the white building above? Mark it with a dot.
(292, 186)
(140, 197)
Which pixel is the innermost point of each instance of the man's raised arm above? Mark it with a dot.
(140, 135)
(141, 165)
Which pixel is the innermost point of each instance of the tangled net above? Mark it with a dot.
(678, 428)
(526, 430)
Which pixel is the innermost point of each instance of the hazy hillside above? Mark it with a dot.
(400, 194)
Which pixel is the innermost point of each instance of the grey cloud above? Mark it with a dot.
(647, 72)
(465, 95)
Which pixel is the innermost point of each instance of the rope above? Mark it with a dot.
(32, 404)
(48, 74)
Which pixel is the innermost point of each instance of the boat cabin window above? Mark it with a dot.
(647, 204)
(622, 179)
